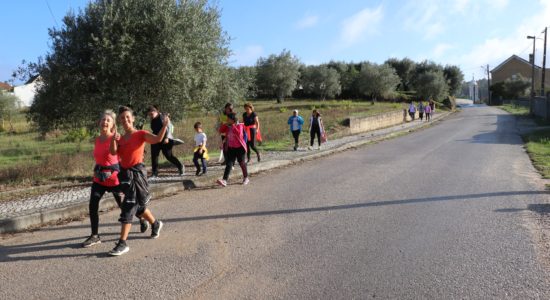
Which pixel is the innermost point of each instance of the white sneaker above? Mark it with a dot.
(246, 181)
(222, 182)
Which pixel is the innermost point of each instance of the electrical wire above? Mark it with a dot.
(51, 12)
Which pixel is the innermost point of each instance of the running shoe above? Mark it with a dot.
(222, 182)
(92, 240)
(155, 229)
(181, 171)
(119, 249)
(198, 173)
(246, 181)
(143, 225)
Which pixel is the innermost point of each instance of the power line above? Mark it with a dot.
(51, 12)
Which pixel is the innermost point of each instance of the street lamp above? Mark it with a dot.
(532, 74)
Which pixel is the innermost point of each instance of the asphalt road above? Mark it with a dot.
(448, 212)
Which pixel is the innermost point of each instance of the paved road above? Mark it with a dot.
(448, 212)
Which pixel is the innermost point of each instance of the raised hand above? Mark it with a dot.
(116, 135)
(166, 120)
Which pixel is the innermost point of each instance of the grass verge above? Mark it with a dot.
(537, 145)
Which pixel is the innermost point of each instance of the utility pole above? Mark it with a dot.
(489, 86)
(542, 90)
(532, 75)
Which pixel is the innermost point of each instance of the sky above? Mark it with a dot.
(466, 33)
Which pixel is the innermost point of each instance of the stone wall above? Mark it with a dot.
(362, 124)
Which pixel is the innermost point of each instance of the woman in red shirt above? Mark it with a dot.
(105, 174)
(133, 175)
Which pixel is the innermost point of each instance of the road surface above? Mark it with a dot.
(449, 212)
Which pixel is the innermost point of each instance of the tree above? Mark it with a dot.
(9, 106)
(278, 74)
(511, 88)
(454, 77)
(321, 81)
(404, 68)
(431, 85)
(134, 52)
(349, 72)
(377, 81)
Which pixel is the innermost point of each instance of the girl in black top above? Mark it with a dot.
(252, 126)
(316, 128)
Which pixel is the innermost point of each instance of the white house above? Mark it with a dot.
(27, 91)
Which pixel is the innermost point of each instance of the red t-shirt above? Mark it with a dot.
(103, 157)
(130, 151)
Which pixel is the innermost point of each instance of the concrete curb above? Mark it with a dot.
(78, 210)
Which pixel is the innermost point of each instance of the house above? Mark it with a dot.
(27, 91)
(4, 86)
(514, 66)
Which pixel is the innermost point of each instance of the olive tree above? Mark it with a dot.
(9, 107)
(377, 81)
(131, 52)
(321, 81)
(278, 75)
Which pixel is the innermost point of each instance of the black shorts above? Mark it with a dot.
(134, 185)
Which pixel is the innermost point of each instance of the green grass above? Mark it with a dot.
(515, 109)
(538, 148)
(523, 112)
(26, 157)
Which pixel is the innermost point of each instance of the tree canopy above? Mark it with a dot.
(377, 80)
(321, 81)
(132, 52)
(278, 75)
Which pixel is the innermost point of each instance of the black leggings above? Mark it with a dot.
(167, 152)
(196, 157)
(296, 135)
(232, 154)
(98, 191)
(315, 131)
(251, 143)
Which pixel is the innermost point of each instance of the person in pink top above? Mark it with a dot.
(236, 148)
(105, 174)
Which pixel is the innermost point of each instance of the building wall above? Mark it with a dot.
(515, 66)
(25, 93)
(363, 124)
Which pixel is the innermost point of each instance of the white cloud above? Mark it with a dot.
(498, 4)
(424, 17)
(495, 50)
(461, 5)
(365, 22)
(441, 49)
(247, 56)
(307, 22)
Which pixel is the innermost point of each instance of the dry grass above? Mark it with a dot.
(26, 160)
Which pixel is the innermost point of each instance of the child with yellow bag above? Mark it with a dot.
(200, 151)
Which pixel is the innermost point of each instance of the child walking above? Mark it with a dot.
(236, 148)
(200, 151)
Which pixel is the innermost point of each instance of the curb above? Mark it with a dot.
(47, 216)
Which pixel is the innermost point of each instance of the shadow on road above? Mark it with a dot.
(505, 133)
(541, 209)
(32, 251)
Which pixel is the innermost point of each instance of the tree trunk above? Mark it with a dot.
(280, 98)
